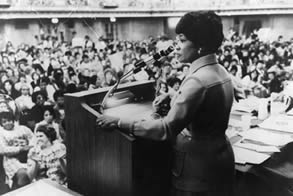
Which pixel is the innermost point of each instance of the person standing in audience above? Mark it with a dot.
(203, 162)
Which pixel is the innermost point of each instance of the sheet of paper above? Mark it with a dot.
(39, 188)
(249, 156)
(256, 147)
(290, 112)
(280, 123)
(266, 137)
(238, 159)
(117, 61)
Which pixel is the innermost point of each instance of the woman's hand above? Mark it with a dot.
(25, 148)
(105, 121)
(43, 123)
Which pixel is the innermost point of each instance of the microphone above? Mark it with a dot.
(152, 59)
(137, 67)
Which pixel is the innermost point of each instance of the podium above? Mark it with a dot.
(108, 162)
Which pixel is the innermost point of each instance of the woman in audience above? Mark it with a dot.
(110, 77)
(35, 80)
(37, 111)
(24, 101)
(15, 141)
(8, 89)
(23, 80)
(49, 118)
(47, 159)
(252, 80)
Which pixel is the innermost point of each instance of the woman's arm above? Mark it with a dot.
(187, 102)
(8, 150)
(32, 168)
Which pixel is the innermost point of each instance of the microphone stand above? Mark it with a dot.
(114, 87)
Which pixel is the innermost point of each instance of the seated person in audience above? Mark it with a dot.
(185, 71)
(47, 88)
(25, 100)
(162, 89)
(49, 118)
(35, 80)
(239, 90)
(8, 89)
(174, 84)
(22, 81)
(15, 141)
(110, 77)
(48, 158)
(252, 80)
(274, 85)
(59, 101)
(37, 111)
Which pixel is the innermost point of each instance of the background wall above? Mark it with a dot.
(19, 31)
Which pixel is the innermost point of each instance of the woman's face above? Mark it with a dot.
(40, 100)
(271, 76)
(7, 86)
(42, 139)
(5, 60)
(48, 117)
(7, 124)
(108, 77)
(9, 72)
(185, 49)
(36, 76)
(253, 75)
(25, 91)
(163, 88)
(4, 78)
(185, 70)
(176, 86)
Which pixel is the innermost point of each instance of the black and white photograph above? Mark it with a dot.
(146, 97)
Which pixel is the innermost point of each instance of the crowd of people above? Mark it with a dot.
(36, 77)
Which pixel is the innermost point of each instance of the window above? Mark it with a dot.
(111, 30)
(250, 26)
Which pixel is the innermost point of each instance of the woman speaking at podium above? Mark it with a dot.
(203, 161)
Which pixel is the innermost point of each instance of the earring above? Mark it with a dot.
(199, 51)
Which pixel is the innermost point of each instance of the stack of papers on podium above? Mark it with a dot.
(290, 112)
(243, 156)
(246, 105)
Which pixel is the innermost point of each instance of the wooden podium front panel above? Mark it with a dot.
(107, 162)
(96, 157)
